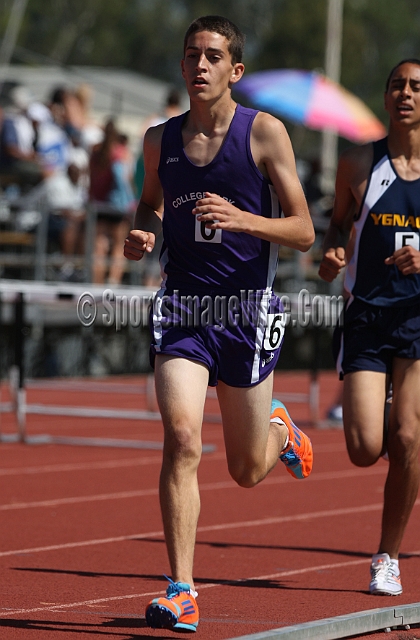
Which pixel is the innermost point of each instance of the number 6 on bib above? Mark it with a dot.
(274, 332)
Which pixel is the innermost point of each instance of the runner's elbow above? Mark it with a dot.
(306, 241)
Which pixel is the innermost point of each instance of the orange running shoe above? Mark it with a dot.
(298, 456)
(177, 611)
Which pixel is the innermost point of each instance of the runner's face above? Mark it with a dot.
(402, 100)
(207, 66)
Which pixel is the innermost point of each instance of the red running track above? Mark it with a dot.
(82, 549)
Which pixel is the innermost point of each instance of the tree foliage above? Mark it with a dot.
(146, 36)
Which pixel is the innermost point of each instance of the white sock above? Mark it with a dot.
(278, 420)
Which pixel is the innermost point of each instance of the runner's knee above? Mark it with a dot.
(246, 474)
(404, 444)
(182, 444)
(364, 453)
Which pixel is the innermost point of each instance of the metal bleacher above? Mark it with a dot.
(27, 253)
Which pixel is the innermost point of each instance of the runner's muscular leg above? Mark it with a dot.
(253, 443)
(402, 483)
(181, 387)
(364, 395)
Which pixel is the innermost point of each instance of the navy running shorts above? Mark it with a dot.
(370, 337)
(237, 337)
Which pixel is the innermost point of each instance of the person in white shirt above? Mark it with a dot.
(64, 195)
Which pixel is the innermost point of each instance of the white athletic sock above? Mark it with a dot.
(278, 420)
(286, 443)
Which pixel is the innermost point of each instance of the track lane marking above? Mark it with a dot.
(272, 576)
(209, 486)
(130, 462)
(80, 466)
(203, 529)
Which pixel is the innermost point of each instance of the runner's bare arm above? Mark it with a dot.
(147, 220)
(272, 152)
(352, 172)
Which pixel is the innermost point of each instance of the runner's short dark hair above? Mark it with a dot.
(223, 26)
(405, 61)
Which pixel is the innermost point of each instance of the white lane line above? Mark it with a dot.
(81, 543)
(210, 486)
(130, 462)
(215, 527)
(272, 576)
(88, 466)
(80, 466)
(78, 500)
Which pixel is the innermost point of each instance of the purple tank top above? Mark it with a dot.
(198, 260)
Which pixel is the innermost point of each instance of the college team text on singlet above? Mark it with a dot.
(199, 260)
(389, 219)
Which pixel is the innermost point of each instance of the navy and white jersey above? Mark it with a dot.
(389, 219)
(199, 260)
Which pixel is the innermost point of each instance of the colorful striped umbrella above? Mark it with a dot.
(313, 100)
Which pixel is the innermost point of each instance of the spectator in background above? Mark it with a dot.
(172, 108)
(52, 143)
(77, 153)
(111, 193)
(80, 157)
(64, 107)
(74, 106)
(18, 157)
(67, 197)
(63, 195)
(90, 132)
(123, 194)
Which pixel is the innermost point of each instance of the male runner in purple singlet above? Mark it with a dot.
(221, 179)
